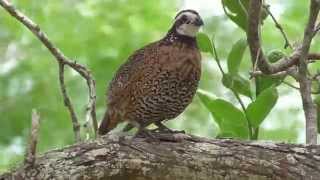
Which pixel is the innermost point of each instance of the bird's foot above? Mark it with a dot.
(164, 129)
(167, 131)
(145, 133)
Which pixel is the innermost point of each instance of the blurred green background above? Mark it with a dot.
(101, 34)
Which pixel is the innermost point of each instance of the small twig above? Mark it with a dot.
(287, 43)
(275, 75)
(68, 104)
(292, 71)
(217, 57)
(297, 88)
(290, 85)
(61, 59)
(33, 139)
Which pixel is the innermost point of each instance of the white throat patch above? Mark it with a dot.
(188, 30)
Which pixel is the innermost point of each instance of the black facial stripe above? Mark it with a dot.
(184, 18)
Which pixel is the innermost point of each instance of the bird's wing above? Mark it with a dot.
(130, 72)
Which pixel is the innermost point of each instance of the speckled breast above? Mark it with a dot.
(167, 94)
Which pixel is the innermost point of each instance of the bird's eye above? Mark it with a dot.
(184, 17)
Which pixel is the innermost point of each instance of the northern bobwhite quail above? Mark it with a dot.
(158, 81)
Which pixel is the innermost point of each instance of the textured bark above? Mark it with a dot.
(115, 158)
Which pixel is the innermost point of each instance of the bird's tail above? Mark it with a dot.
(109, 122)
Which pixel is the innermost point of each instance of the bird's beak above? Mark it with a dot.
(198, 22)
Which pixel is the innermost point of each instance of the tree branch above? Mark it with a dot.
(304, 81)
(298, 88)
(287, 43)
(32, 148)
(254, 41)
(61, 59)
(114, 158)
(68, 104)
(298, 57)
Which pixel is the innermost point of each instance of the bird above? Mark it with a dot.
(158, 81)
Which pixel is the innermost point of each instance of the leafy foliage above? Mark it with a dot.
(237, 12)
(237, 84)
(230, 119)
(204, 43)
(236, 55)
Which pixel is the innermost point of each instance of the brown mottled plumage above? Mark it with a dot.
(158, 81)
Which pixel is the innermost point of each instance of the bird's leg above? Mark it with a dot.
(163, 128)
(144, 132)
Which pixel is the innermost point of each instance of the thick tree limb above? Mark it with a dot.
(114, 158)
(62, 60)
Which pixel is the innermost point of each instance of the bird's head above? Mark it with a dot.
(187, 23)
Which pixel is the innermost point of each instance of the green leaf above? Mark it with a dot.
(206, 97)
(227, 81)
(235, 56)
(237, 10)
(204, 43)
(237, 83)
(266, 81)
(230, 119)
(258, 110)
(242, 86)
(232, 80)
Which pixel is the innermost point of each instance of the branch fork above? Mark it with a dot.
(298, 58)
